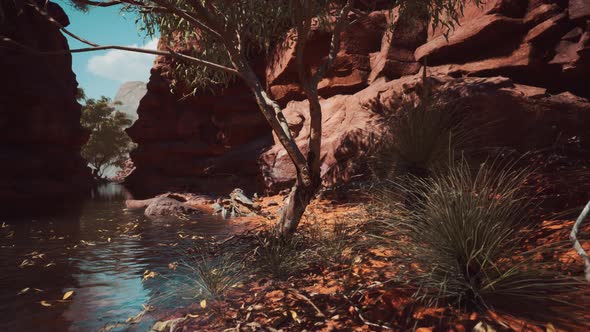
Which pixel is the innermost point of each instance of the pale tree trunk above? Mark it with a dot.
(577, 246)
(302, 194)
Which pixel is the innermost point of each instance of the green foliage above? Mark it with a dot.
(278, 256)
(212, 277)
(443, 14)
(108, 144)
(422, 136)
(254, 28)
(80, 95)
(333, 245)
(464, 242)
(259, 24)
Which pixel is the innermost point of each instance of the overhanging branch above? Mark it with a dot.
(179, 56)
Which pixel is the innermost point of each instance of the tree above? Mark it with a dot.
(220, 36)
(108, 144)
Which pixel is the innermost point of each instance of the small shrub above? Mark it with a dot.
(279, 257)
(421, 137)
(213, 276)
(464, 243)
(333, 245)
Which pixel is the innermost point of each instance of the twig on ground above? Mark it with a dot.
(365, 321)
(305, 298)
(577, 246)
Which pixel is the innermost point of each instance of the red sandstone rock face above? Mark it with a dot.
(506, 58)
(40, 132)
(208, 142)
(350, 70)
(542, 45)
(529, 117)
(375, 46)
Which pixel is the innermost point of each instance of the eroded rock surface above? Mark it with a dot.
(522, 63)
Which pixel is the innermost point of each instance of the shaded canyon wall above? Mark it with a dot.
(40, 131)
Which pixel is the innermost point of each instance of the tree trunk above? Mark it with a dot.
(297, 203)
(301, 195)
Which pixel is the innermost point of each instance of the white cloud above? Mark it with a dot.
(124, 66)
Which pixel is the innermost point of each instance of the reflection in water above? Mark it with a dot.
(101, 255)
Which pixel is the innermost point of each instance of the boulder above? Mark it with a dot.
(168, 207)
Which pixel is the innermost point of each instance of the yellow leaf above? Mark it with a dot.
(147, 275)
(204, 304)
(551, 328)
(294, 316)
(45, 304)
(68, 294)
(24, 290)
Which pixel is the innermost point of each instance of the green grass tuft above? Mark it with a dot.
(463, 242)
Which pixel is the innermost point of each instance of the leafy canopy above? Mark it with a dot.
(212, 29)
(108, 144)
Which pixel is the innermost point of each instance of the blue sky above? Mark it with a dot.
(101, 73)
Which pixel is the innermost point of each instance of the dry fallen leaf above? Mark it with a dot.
(147, 275)
(26, 263)
(45, 304)
(67, 295)
(294, 316)
(22, 291)
(204, 304)
(551, 328)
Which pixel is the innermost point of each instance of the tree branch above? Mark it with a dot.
(577, 246)
(100, 3)
(179, 56)
(334, 43)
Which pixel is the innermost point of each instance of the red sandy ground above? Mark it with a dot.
(324, 299)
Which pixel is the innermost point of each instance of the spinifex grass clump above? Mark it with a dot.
(464, 243)
(332, 244)
(421, 135)
(277, 256)
(214, 276)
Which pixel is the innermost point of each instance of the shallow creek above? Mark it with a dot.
(101, 252)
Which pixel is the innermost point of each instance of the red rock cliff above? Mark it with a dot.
(208, 142)
(40, 131)
(505, 58)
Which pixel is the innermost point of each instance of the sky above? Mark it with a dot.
(101, 73)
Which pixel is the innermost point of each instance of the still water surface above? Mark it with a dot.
(100, 251)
